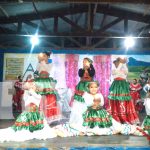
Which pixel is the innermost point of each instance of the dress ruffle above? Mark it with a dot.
(81, 87)
(97, 117)
(119, 90)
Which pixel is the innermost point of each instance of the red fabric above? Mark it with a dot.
(135, 94)
(17, 97)
(86, 76)
(49, 106)
(123, 111)
(119, 78)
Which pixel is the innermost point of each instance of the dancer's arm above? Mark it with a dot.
(91, 71)
(81, 72)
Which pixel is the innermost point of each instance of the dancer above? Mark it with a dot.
(95, 114)
(86, 75)
(47, 85)
(30, 124)
(135, 88)
(96, 120)
(122, 108)
(17, 97)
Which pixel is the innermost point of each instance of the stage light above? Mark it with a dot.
(34, 40)
(129, 42)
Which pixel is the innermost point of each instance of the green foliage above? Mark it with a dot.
(135, 71)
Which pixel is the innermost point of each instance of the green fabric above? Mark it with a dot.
(147, 124)
(27, 117)
(45, 83)
(82, 86)
(105, 119)
(119, 90)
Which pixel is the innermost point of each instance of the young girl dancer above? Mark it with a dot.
(30, 124)
(47, 85)
(95, 114)
(86, 75)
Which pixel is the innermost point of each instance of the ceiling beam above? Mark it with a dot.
(72, 23)
(75, 41)
(101, 8)
(45, 14)
(42, 29)
(104, 28)
(6, 31)
(81, 1)
(118, 12)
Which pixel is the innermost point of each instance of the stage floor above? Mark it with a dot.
(82, 141)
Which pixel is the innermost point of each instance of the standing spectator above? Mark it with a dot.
(135, 88)
(17, 97)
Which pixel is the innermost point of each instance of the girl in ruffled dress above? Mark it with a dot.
(86, 75)
(30, 124)
(93, 119)
(95, 114)
(47, 88)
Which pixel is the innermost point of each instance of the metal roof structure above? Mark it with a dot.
(84, 24)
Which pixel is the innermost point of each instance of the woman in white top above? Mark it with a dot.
(122, 108)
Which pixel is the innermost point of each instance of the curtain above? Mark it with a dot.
(102, 65)
(71, 71)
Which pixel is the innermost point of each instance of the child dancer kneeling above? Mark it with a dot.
(95, 114)
(31, 123)
(98, 121)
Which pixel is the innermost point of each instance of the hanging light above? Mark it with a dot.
(129, 42)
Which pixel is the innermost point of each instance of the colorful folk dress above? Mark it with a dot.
(31, 119)
(135, 94)
(86, 76)
(49, 95)
(30, 124)
(79, 104)
(122, 107)
(97, 116)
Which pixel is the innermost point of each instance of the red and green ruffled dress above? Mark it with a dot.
(31, 119)
(96, 116)
(49, 95)
(121, 103)
(86, 76)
